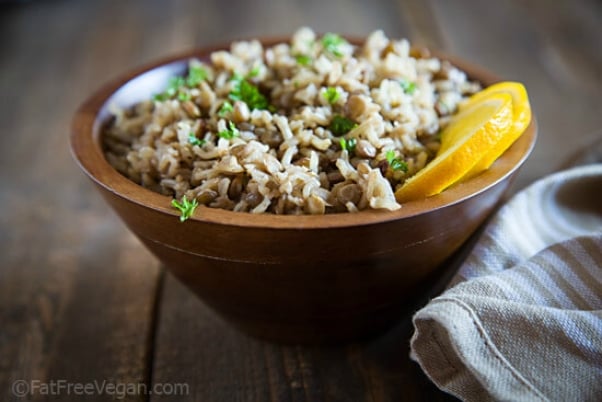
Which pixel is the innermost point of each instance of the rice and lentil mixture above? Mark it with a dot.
(313, 126)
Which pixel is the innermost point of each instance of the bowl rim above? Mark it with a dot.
(86, 150)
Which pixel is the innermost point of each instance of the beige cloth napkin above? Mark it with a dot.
(522, 319)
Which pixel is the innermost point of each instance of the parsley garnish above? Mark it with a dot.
(225, 109)
(348, 145)
(230, 132)
(396, 163)
(331, 95)
(407, 86)
(185, 207)
(243, 90)
(196, 74)
(254, 72)
(173, 86)
(192, 139)
(341, 125)
(332, 42)
(303, 59)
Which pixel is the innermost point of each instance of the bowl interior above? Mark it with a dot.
(143, 82)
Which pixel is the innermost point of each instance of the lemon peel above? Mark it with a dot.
(521, 110)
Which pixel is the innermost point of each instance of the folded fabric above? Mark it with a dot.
(522, 318)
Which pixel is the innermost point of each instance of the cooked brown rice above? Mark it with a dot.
(201, 140)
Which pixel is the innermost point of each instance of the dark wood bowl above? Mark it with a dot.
(307, 279)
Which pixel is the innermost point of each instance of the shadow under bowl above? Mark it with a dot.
(294, 279)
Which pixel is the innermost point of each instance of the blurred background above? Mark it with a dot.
(80, 297)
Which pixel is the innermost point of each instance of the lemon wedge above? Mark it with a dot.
(471, 135)
(521, 110)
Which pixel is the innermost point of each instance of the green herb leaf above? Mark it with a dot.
(192, 139)
(173, 86)
(348, 144)
(230, 132)
(185, 207)
(341, 125)
(183, 96)
(243, 90)
(395, 163)
(407, 86)
(196, 74)
(390, 155)
(236, 78)
(331, 95)
(303, 59)
(225, 109)
(332, 44)
(254, 72)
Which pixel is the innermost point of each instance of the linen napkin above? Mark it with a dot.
(522, 318)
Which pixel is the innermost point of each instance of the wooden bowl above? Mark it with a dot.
(306, 279)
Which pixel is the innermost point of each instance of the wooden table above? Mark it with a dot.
(81, 300)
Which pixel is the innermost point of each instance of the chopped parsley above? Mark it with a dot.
(185, 207)
(192, 139)
(230, 132)
(173, 86)
(254, 72)
(243, 90)
(225, 109)
(331, 95)
(341, 125)
(396, 163)
(348, 144)
(196, 74)
(332, 44)
(407, 86)
(303, 59)
(183, 96)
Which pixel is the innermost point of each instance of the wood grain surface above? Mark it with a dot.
(81, 299)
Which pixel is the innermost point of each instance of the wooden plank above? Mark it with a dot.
(195, 347)
(571, 36)
(424, 31)
(76, 289)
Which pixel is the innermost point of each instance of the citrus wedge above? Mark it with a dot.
(521, 111)
(471, 135)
